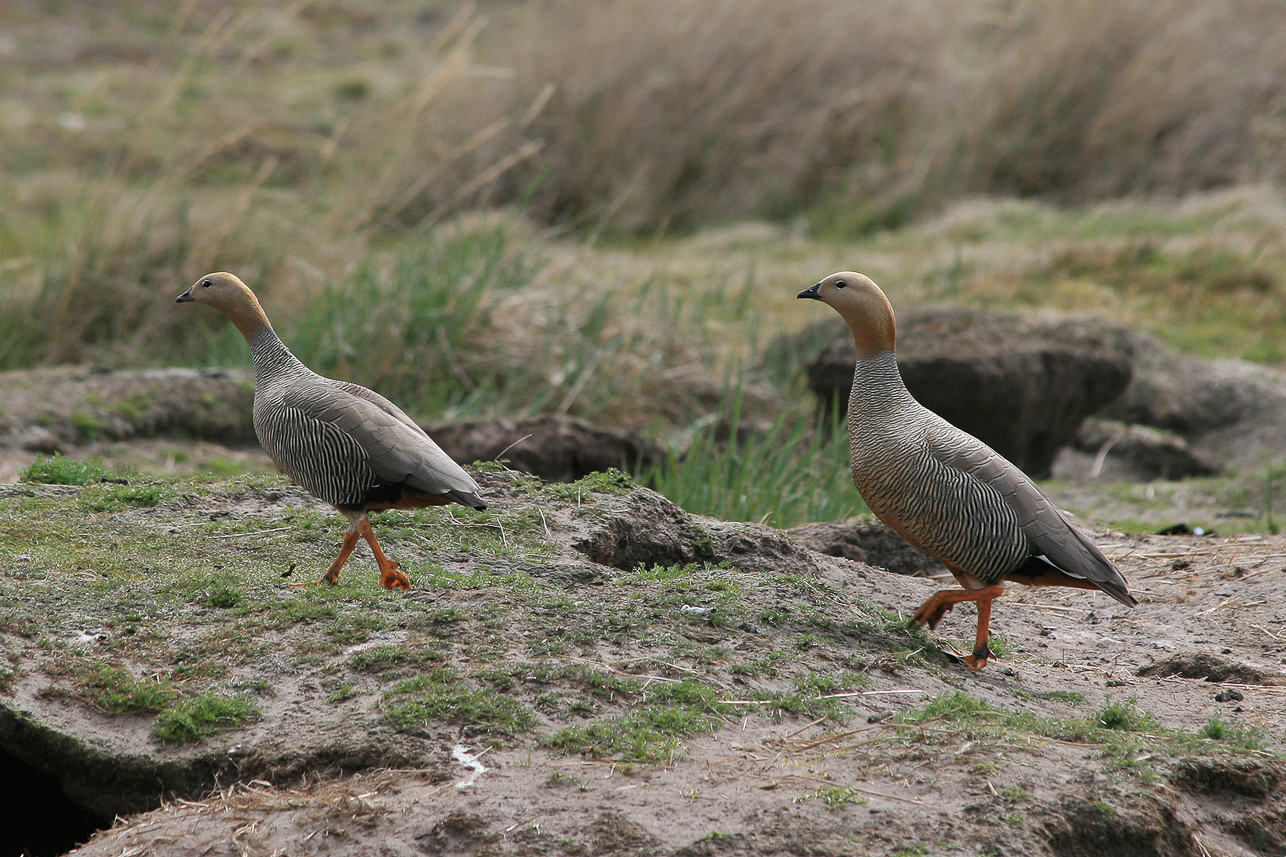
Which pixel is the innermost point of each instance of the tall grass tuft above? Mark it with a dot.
(783, 475)
(664, 114)
(215, 149)
(417, 328)
(1081, 101)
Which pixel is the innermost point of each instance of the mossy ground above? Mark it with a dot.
(189, 601)
(178, 618)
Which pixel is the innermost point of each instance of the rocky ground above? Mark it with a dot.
(587, 669)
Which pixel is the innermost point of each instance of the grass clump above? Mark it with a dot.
(916, 850)
(115, 690)
(813, 696)
(835, 797)
(197, 719)
(117, 498)
(221, 594)
(788, 475)
(1124, 716)
(1218, 729)
(652, 730)
(610, 481)
(396, 658)
(343, 693)
(61, 470)
(444, 695)
(954, 707)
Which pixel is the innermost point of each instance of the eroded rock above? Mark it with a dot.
(557, 449)
(871, 542)
(52, 410)
(1211, 668)
(1140, 453)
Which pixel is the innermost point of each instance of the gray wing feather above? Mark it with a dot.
(379, 401)
(1045, 527)
(396, 449)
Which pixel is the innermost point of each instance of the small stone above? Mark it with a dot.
(1116, 682)
(1229, 695)
(1180, 565)
(1093, 619)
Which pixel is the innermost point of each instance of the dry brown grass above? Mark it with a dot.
(144, 143)
(668, 113)
(1098, 100)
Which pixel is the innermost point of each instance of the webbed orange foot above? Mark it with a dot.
(391, 578)
(978, 659)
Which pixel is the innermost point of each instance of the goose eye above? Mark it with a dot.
(840, 284)
(206, 284)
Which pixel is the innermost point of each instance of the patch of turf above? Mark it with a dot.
(443, 695)
(197, 719)
(61, 470)
(341, 693)
(396, 658)
(610, 481)
(1228, 734)
(116, 498)
(835, 797)
(115, 690)
(1125, 716)
(651, 731)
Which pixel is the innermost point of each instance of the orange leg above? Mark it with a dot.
(981, 651)
(332, 574)
(390, 577)
(932, 611)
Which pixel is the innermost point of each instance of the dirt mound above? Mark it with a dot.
(587, 668)
(558, 449)
(52, 410)
(868, 541)
(1212, 668)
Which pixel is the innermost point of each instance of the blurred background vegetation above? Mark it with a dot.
(605, 209)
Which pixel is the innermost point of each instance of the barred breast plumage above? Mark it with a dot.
(345, 444)
(945, 491)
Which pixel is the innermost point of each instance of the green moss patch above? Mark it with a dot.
(444, 695)
(199, 718)
(61, 470)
